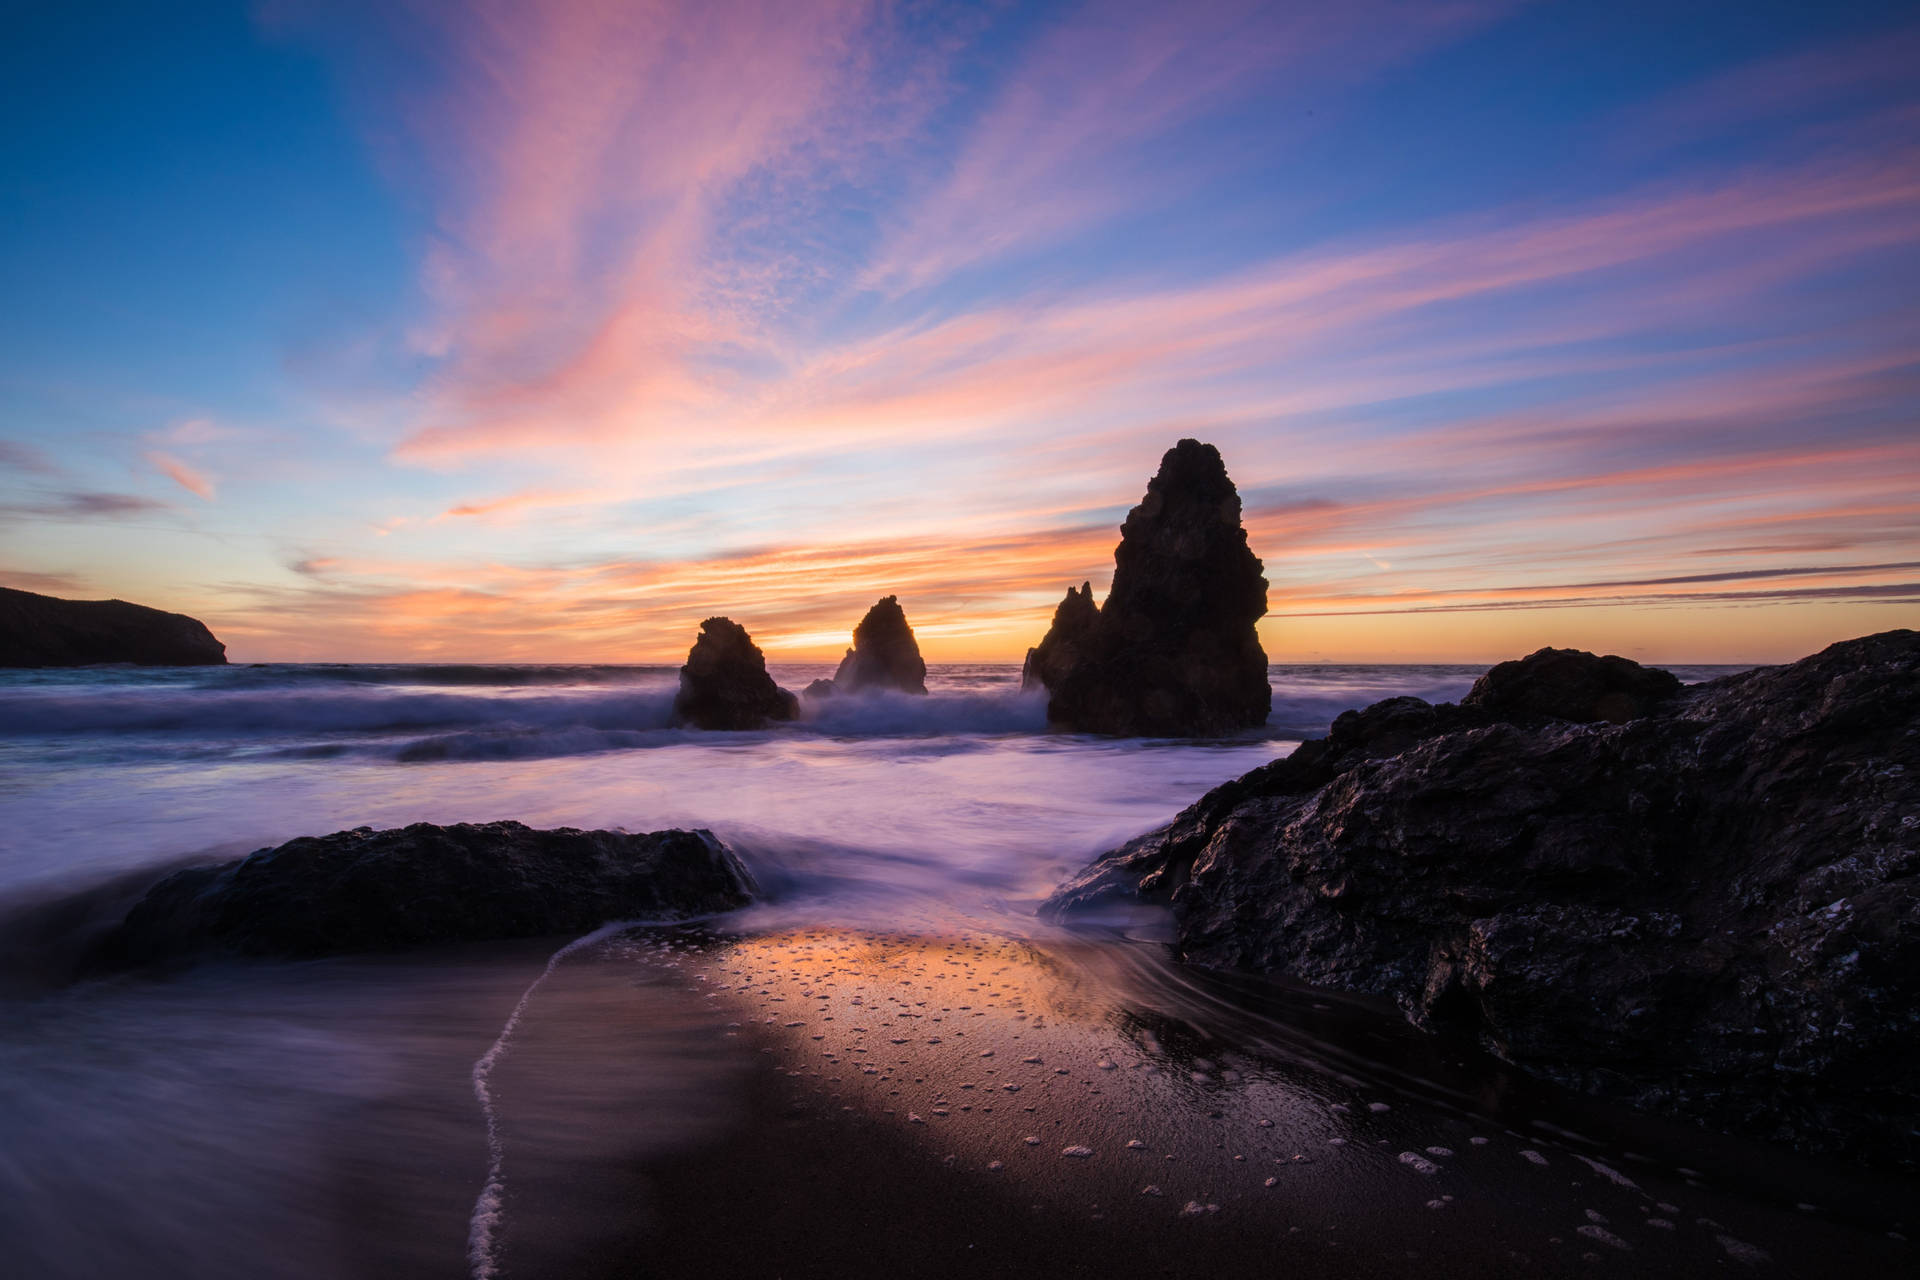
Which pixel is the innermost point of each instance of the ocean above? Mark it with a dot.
(331, 1118)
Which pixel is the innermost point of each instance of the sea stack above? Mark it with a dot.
(884, 654)
(725, 684)
(1173, 651)
(44, 631)
(1074, 623)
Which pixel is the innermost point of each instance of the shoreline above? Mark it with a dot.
(829, 1171)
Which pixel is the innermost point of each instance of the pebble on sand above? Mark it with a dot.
(1077, 1153)
(1605, 1237)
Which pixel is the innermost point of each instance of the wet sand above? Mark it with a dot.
(966, 1104)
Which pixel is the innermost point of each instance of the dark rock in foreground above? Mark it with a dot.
(43, 631)
(1173, 651)
(1712, 911)
(366, 890)
(725, 685)
(884, 655)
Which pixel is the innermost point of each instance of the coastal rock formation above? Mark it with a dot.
(44, 631)
(1712, 910)
(725, 685)
(1173, 651)
(367, 890)
(884, 655)
(1075, 620)
(1567, 684)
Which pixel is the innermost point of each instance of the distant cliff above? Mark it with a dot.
(41, 631)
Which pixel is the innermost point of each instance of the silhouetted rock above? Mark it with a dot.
(1074, 622)
(884, 654)
(1713, 910)
(366, 890)
(43, 631)
(1570, 684)
(821, 688)
(725, 685)
(1173, 651)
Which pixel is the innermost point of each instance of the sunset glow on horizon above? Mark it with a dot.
(540, 332)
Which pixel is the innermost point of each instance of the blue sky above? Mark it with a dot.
(545, 330)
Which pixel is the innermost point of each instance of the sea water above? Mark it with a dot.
(217, 1122)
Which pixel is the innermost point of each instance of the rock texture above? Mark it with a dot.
(366, 890)
(725, 685)
(43, 631)
(1067, 642)
(1567, 684)
(884, 655)
(1173, 650)
(1712, 910)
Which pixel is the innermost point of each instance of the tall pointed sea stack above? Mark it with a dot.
(1173, 651)
(884, 655)
(725, 684)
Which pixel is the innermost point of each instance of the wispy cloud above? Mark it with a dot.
(195, 482)
(16, 456)
(81, 504)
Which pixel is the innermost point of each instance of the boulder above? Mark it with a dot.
(884, 654)
(366, 890)
(725, 685)
(1711, 911)
(1569, 684)
(1173, 650)
(43, 631)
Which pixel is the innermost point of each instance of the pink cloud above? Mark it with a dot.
(195, 482)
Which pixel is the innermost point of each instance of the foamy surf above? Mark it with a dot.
(489, 1206)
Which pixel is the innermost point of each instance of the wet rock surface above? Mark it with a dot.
(44, 631)
(1712, 910)
(1172, 652)
(365, 890)
(725, 685)
(884, 655)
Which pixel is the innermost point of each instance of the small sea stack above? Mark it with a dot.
(1173, 651)
(725, 685)
(884, 655)
(45, 631)
(1074, 622)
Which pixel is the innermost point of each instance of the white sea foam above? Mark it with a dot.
(489, 1208)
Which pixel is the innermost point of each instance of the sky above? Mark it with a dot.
(541, 330)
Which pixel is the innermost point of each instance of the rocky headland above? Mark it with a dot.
(1704, 901)
(365, 890)
(45, 631)
(725, 685)
(884, 655)
(1172, 652)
